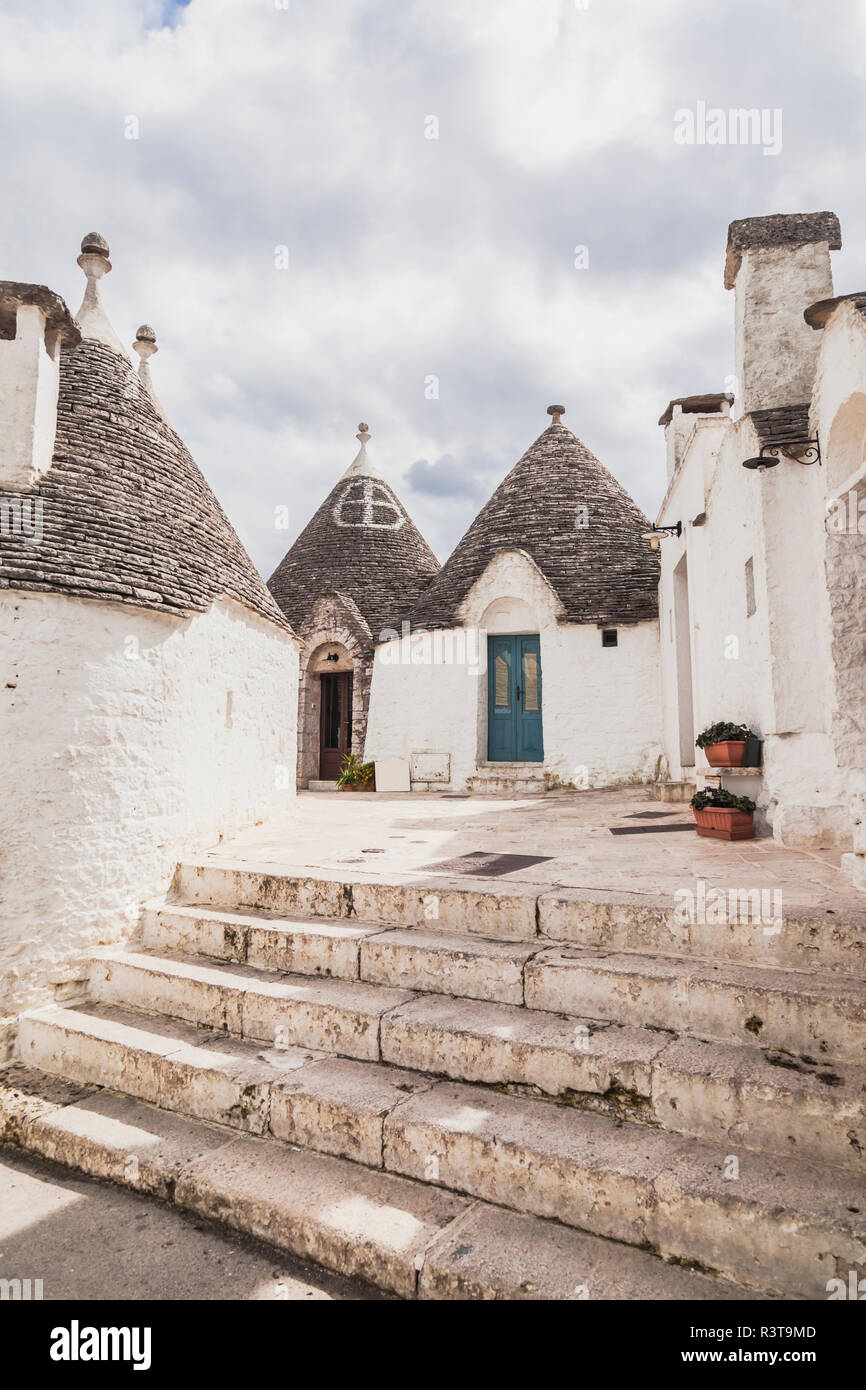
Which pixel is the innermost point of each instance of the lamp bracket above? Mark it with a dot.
(805, 451)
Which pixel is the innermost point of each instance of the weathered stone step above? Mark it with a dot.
(296, 946)
(502, 1044)
(766, 1221)
(509, 911)
(419, 959)
(683, 925)
(400, 1235)
(820, 1016)
(732, 1095)
(501, 912)
(281, 1010)
(493, 1253)
(760, 1099)
(773, 1099)
(466, 1039)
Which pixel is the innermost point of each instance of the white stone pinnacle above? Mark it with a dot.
(92, 318)
(361, 465)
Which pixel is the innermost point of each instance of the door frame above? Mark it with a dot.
(344, 682)
(517, 641)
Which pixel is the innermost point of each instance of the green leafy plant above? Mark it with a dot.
(354, 773)
(722, 733)
(717, 796)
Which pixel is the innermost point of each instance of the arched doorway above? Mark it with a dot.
(327, 731)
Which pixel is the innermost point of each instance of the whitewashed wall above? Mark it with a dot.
(601, 707)
(772, 669)
(839, 418)
(130, 738)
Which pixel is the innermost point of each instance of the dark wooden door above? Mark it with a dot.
(335, 727)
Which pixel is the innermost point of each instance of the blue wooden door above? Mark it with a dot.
(514, 732)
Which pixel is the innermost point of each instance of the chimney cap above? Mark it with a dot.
(13, 293)
(778, 229)
(710, 404)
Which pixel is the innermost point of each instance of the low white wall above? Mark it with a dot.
(130, 738)
(601, 706)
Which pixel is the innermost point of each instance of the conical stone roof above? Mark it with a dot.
(361, 545)
(562, 507)
(124, 513)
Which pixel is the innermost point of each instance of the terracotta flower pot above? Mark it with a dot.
(360, 787)
(725, 823)
(731, 753)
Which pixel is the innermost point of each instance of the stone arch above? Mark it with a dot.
(509, 613)
(330, 631)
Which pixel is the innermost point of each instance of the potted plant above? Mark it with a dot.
(724, 744)
(722, 816)
(356, 776)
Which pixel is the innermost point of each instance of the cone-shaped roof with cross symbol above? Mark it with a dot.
(361, 544)
(579, 525)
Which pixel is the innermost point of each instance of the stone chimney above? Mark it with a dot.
(34, 325)
(778, 265)
(680, 418)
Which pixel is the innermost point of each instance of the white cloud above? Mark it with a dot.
(262, 127)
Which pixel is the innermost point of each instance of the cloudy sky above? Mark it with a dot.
(431, 287)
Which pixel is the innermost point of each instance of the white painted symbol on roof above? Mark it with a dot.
(364, 502)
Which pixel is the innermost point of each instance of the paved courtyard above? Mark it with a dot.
(402, 837)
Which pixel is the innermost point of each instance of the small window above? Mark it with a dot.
(609, 638)
(750, 587)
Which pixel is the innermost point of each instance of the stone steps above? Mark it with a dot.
(514, 911)
(412, 1239)
(362, 1072)
(508, 779)
(742, 1097)
(437, 961)
(822, 1017)
(769, 1223)
(769, 1097)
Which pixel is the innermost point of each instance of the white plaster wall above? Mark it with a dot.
(772, 669)
(839, 418)
(601, 707)
(841, 380)
(423, 702)
(130, 738)
(29, 386)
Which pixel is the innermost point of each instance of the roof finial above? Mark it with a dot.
(361, 464)
(557, 411)
(145, 346)
(91, 316)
